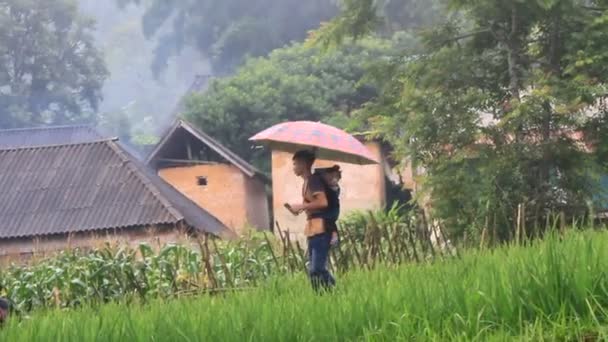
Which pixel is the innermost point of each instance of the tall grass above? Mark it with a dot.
(555, 289)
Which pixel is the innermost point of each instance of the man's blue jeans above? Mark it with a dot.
(318, 256)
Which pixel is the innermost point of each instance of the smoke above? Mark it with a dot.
(135, 103)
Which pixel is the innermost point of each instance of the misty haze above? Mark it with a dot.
(303, 170)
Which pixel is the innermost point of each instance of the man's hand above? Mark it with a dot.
(298, 208)
(295, 209)
(334, 239)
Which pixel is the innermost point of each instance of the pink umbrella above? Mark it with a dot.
(328, 142)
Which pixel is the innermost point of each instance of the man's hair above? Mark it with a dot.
(306, 156)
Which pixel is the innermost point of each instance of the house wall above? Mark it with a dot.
(258, 213)
(362, 187)
(231, 196)
(23, 249)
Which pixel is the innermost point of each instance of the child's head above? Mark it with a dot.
(332, 175)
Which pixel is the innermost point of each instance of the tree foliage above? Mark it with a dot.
(503, 109)
(227, 31)
(293, 83)
(132, 95)
(50, 71)
(359, 18)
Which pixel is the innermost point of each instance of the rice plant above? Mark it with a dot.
(555, 289)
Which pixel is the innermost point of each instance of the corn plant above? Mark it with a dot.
(116, 273)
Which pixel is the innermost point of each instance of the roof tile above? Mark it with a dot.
(46, 136)
(89, 186)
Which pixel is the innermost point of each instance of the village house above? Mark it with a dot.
(213, 177)
(69, 187)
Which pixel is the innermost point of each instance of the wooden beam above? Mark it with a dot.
(189, 150)
(186, 161)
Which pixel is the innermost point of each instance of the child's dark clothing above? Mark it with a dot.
(332, 212)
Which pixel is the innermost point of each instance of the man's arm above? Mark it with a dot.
(319, 202)
(319, 199)
(292, 210)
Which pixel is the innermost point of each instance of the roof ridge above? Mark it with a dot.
(101, 186)
(144, 180)
(42, 147)
(39, 128)
(219, 148)
(164, 137)
(230, 156)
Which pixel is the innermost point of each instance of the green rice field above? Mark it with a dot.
(556, 289)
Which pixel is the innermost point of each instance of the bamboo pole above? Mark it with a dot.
(524, 234)
(518, 225)
(224, 265)
(206, 255)
(271, 250)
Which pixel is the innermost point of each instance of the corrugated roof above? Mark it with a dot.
(45, 136)
(213, 144)
(92, 186)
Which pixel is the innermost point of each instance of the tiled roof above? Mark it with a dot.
(84, 187)
(45, 136)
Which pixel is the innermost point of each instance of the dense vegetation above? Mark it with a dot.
(50, 70)
(227, 31)
(548, 290)
(136, 102)
(294, 83)
(503, 106)
(231, 30)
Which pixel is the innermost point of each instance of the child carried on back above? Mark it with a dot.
(331, 177)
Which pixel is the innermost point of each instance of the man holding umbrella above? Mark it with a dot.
(309, 140)
(314, 203)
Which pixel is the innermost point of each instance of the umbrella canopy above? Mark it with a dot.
(327, 142)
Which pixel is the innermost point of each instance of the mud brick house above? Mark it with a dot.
(68, 186)
(212, 176)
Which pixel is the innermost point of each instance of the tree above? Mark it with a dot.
(400, 15)
(227, 31)
(50, 72)
(359, 18)
(145, 101)
(293, 83)
(500, 108)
